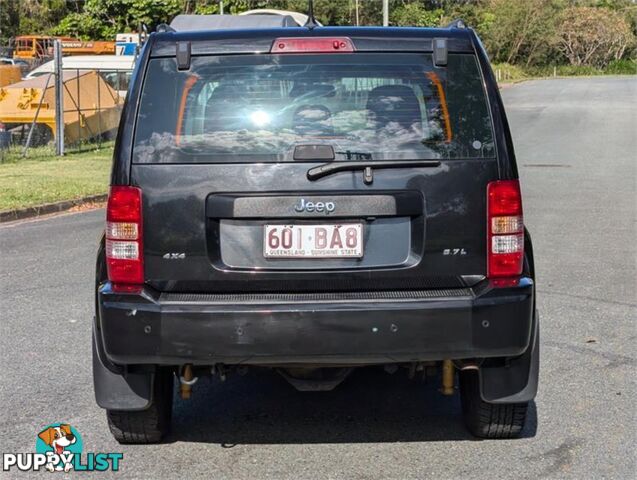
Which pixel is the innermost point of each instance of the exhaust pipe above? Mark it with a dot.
(448, 374)
(186, 381)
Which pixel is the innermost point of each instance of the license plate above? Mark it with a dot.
(313, 241)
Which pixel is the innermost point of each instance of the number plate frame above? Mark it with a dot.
(310, 253)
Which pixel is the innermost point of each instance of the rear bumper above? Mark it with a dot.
(309, 329)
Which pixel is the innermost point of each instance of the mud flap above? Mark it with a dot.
(116, 389)
(516, 382)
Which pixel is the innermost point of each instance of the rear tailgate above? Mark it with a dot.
(416, 233)
(221, 179)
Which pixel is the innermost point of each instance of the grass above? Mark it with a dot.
(516, 73)
(44, 178)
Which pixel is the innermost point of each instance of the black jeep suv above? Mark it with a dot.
(313, 200)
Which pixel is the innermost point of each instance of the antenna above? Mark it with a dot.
(311, 21)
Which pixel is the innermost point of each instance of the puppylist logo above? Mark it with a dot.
(58, 448)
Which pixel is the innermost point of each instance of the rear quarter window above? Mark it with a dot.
(259, 108)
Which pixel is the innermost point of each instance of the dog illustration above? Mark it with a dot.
(58, 438)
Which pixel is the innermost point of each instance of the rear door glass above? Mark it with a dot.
(260, 108)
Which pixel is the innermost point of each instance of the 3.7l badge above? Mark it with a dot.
(454, 251)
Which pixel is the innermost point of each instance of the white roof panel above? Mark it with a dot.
(186, 23)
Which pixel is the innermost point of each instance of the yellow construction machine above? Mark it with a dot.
(91, 106)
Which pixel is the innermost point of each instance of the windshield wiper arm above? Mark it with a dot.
(333, 167)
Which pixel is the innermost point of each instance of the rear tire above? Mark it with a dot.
(489, 420)
(150, 425)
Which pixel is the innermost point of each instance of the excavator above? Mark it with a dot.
(36, 47)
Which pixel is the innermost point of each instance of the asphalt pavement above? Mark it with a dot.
(576, 144)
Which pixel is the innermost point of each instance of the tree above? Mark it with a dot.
(519, 31)
(103, 19)
(9, 19)
(23, 17)
(526, 32)
(328, 12)
(593, 36)
(416, 15)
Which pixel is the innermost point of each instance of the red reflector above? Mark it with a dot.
(505, 264)
(124, 288)
(505, 282)
(129, 272)
(124, 256)
(505, 252)
(312, 45)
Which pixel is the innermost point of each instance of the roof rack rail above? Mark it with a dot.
(457, 23)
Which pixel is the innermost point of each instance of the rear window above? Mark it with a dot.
(260, 108)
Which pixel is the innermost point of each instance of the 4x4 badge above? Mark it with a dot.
(174, 256)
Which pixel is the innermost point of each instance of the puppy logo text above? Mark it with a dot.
(60, 439)
(58, 448)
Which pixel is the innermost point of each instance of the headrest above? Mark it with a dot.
(394, 103)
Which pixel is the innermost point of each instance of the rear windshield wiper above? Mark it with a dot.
(368, 176)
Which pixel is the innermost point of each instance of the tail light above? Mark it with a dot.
(505, 227)
(312, 45)
(124, 255)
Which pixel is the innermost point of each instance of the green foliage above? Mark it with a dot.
(85, 26)
(328, 12)
(518, 31)
(513, 73)
(203, 9)
(20, 17)
(477, 16)
(416, 15)
(524, 33)
(506, 72)
(576, 70)
(622, 67)
(152, 12)
(9, 19)
(102, 19)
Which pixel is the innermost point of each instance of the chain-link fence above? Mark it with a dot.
(92, 102)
